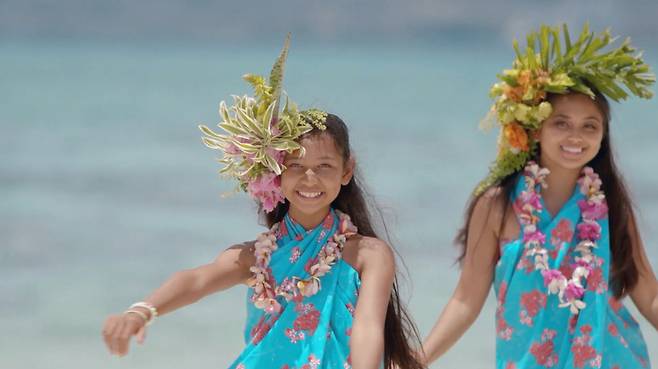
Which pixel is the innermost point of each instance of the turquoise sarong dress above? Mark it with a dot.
(310, 332)
(532, 331)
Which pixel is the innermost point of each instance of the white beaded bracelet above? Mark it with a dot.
(137, 312)
(149, 307)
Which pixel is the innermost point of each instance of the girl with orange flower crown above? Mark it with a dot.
(552, 227)
(322, 286)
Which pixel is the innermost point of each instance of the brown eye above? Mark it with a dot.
(561, 124)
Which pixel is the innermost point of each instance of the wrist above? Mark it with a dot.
(145, 310)
(136, 315)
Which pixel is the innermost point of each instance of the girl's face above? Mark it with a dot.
(312, 182)
(571, 136)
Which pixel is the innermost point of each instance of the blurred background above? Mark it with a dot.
(106, 189)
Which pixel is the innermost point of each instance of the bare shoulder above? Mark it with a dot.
(493, 198)
(243, 246)
(363, 251)
(490, 208)
(242, 254)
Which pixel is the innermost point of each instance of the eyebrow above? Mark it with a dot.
(590, 117)
(320, 158)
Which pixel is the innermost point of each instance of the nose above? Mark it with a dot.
(310, 177)
(575, 138)
(309, 172)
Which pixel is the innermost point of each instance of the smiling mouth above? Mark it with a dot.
(572, 149)
(309, 195)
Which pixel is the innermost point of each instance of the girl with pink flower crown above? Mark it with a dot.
(553, 227)
(322, 286)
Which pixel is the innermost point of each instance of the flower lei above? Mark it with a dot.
(569, 290)
(263, 282)
(259, 134)
(545, 67)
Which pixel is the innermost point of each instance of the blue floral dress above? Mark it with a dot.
(533, 331)
(308, 332)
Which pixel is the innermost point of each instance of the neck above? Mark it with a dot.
(561, 182)
(308, 220)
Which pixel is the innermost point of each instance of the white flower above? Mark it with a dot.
(585, 246)
(488, 122)
(574, 305)
(578, 273)
(557, 285)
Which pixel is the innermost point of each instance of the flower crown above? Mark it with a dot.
(259, 134)
(520, 104)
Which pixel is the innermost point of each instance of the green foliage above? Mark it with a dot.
(586, 63)
(553, 64)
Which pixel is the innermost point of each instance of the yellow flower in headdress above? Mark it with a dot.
(543, 110)
(521, 112)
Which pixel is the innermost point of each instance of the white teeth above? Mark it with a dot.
(309, 194)
(573, 150)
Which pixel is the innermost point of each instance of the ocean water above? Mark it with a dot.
(106, 189)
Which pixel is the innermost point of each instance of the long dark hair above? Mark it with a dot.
(621, 216)
(399, 329)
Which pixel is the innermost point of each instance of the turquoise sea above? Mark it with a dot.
(106, 189)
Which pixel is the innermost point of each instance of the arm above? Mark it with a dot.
(183, 288)
(645, 292)
(376, 264)
(474, 283)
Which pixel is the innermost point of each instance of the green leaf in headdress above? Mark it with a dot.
(262, 91)
(276, 75)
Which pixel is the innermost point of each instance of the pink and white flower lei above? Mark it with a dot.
(570, 291)
(263, 282)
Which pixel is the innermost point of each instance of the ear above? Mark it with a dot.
(348, 171)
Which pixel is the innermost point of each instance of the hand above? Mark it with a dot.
(119, 329)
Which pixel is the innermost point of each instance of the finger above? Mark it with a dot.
(105, 332)
(127, 331)
(141, 335)
(113, 324)
(115, 339)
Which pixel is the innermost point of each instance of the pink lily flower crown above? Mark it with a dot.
(258, 133)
